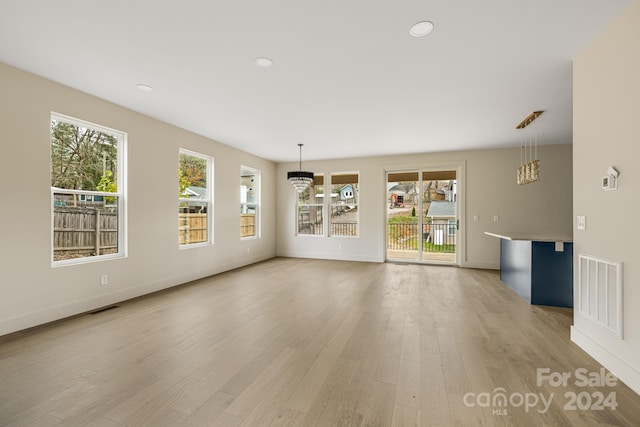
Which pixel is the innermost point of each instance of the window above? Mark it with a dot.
(309, 207)
(249, 202)
(453, 226)
(194, 202)
(344, 204)
(87, 191)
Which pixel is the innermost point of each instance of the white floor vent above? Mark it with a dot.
(600, 291)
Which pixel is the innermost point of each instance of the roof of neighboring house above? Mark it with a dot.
(402, 188)
(442, 209)
(195, 192)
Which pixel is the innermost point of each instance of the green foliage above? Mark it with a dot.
(403, 219)
(183, 183)
(431, 247)
(413, 242)
(80, 156)
(193, 170)
(106, 183)
(108, 186)
(413, 211)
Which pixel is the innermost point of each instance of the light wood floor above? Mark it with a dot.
(405, 255)
(304, 342)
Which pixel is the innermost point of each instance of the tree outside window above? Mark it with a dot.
(86, 190)
(194, 198)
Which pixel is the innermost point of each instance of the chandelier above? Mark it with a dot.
(300, 179)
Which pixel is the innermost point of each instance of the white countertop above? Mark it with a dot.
(530, 236)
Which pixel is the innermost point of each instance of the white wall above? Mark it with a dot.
(488, 188)
(606, 133)
(31, 291)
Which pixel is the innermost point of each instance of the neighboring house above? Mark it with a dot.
(442, 211)
(433, 193)
(441, 190)
(402, 194)
(396, 195)
(442, 217)
(78, 200)
(247, 200)
(347, 200)
(195, 193)
(346, 193)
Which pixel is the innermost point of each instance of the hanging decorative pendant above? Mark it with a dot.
(529, 169)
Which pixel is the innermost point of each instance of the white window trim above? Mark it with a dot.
(330, 205)
(121, 194)
(257, 204)
(208, 200)
(323, 205)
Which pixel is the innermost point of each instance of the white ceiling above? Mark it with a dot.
(348, 80)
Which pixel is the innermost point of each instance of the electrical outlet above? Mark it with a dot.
(496, 218)
(104, 279)
(476, 218)
(581, 222)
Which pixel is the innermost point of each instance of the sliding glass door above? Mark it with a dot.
(422, 216)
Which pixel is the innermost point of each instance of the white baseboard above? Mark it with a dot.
(73, 308)
(619, 368)
(29, 320)
(345, 257)
(331, 256)
(481, 265)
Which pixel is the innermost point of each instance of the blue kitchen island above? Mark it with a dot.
(539, 268)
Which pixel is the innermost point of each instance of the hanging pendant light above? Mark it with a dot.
(528, 171)
(300, 179)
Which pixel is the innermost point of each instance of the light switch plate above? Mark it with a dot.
(581, 222)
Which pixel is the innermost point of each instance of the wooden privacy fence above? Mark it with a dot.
(84, 231)
(192, 228)
(247, 225)
(89, 231)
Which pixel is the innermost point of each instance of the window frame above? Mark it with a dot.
(120, 194)
(209, 160)
(318, 177)
(246, 171)
(331, 205)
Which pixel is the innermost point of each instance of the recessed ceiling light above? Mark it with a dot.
(144, 87)
(264, 62)
(421, 29)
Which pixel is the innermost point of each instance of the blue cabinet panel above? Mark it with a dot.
(537, 272)
(552, 274)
